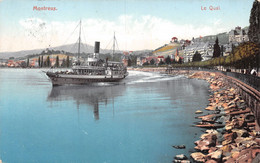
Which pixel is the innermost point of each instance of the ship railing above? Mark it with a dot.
(89, 67)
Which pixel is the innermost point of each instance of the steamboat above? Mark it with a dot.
(92, 70)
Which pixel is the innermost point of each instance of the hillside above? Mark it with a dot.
(167, 49)
(72, 48)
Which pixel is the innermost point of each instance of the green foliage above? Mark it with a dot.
(254, 30)
(57, 64)
(161, 63)
(145, 63)
(133, 59)
(216, 52)
(196, 57)
(48, 62)
(63, 64)
(180, 61)
(39, 61)
(68, 61)
(152, 62)
(168, 60)
(129, 62)
(23, 64)
(27, 63)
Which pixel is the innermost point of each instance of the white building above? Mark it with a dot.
(204, 48)
(238, 35)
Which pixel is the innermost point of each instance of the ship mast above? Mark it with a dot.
(114, 44)
(79, 40)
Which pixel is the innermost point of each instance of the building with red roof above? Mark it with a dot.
(174, 39)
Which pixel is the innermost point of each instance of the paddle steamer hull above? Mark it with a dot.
(66, 79)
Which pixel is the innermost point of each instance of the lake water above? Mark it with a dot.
(136, 120)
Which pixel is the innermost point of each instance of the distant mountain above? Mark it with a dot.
(72, 48)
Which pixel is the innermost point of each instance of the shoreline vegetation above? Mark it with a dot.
(231, 134)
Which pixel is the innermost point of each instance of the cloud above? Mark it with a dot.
(132, 33)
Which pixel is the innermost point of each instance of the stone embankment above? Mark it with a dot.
(232, 129)
(231, 134)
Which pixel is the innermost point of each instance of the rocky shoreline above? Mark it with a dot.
(230, 134)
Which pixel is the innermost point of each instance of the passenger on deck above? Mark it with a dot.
(253, 72)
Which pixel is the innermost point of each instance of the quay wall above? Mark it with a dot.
(248, 93)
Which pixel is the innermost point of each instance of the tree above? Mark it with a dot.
(23, 64)
(161, 62)
(48, 62)
(216, 52)
(129, 62)
(145, 63)
(68, 61)
(196, 57)
(28, 62)
(57, 64)
(63, 64)
(152, 62)
(133, 60)
(222, 50)
(232, 48)
(254, 28)
(180, 60)
(42, 61)
(168, 60)
(39, 61)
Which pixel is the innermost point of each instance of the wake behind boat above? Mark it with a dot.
(92, 70)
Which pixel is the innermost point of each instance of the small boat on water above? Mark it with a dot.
(92, 70)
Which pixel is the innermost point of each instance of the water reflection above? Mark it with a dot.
(91, 95)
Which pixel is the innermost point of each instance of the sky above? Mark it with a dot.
(138, 24)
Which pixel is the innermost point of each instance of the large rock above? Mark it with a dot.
(198, 156)
(209, 134)
(181, 157)
(241, 132)
(179, 146)
(211, 161)
(249, 118)
(226, 148)
(230, 160)
(245, 142)
(207, 140)
(229, 126)
(198, 112)
(217, 155)
(229, 138)
(181, 161)
(202, 147)
(212, 149)
(211, 108)
(237, 123)
(235, 154)
(225, 106)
